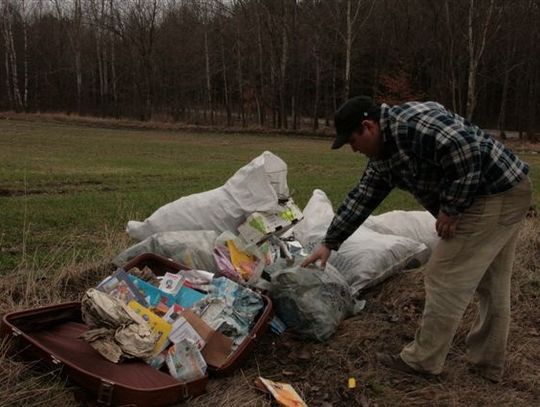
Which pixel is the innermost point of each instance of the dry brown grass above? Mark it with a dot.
(320, 372)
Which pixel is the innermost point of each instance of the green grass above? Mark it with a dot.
(73, 187)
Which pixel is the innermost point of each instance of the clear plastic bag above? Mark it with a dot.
(311, 301)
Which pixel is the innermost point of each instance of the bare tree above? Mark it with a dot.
(11, 55)
(480, 23)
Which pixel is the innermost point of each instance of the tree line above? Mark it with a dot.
(273, 63)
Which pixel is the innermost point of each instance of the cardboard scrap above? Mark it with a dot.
(218, 346)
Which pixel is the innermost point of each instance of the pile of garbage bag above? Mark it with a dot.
(235, 242)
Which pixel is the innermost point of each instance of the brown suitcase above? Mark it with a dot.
(52, 334)
(160, 265)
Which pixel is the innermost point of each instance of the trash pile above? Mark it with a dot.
(236, 244)
(186, 321)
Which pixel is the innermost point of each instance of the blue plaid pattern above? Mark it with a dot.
(443, 160)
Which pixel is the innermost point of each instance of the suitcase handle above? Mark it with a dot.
(105, 392)
(185, 392)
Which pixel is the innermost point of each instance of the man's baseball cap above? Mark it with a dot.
(350, 115)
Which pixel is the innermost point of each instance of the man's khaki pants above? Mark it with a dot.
(479, 258)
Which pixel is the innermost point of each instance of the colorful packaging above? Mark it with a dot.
(171, 283)
(120, 287)
(157, 325)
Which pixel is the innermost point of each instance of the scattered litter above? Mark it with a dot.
(283, 393)
(230, 309)
(277, 326)
(233, 242)
(120, 287)
(145, 274)
(171, 283)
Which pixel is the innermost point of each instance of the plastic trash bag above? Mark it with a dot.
(193, 249)
(310, 301)
(416, 225)
(367, 258)
(318, 215)
(255, 187)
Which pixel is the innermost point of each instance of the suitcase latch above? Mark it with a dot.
(105, 392)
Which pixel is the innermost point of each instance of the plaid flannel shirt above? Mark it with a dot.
(438, 156)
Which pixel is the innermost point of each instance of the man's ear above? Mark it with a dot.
(369, 124)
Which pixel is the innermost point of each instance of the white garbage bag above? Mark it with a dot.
(193, 249)
(318, 215)
(416, 225)
(255, 187)
(367, 258)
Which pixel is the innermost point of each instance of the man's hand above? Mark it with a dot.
(321, 253)
(446, 225)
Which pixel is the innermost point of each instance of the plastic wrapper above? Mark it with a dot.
(185, 361)
(237, 260)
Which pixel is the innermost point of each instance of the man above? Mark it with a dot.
(479, 193)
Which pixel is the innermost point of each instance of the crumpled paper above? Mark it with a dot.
(116, 331)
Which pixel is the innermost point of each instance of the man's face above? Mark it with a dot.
(367, 139)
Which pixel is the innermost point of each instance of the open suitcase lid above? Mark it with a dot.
(52, 333)
(161, 265)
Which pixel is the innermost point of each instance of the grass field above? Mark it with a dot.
(64, 185)
(67, 191)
